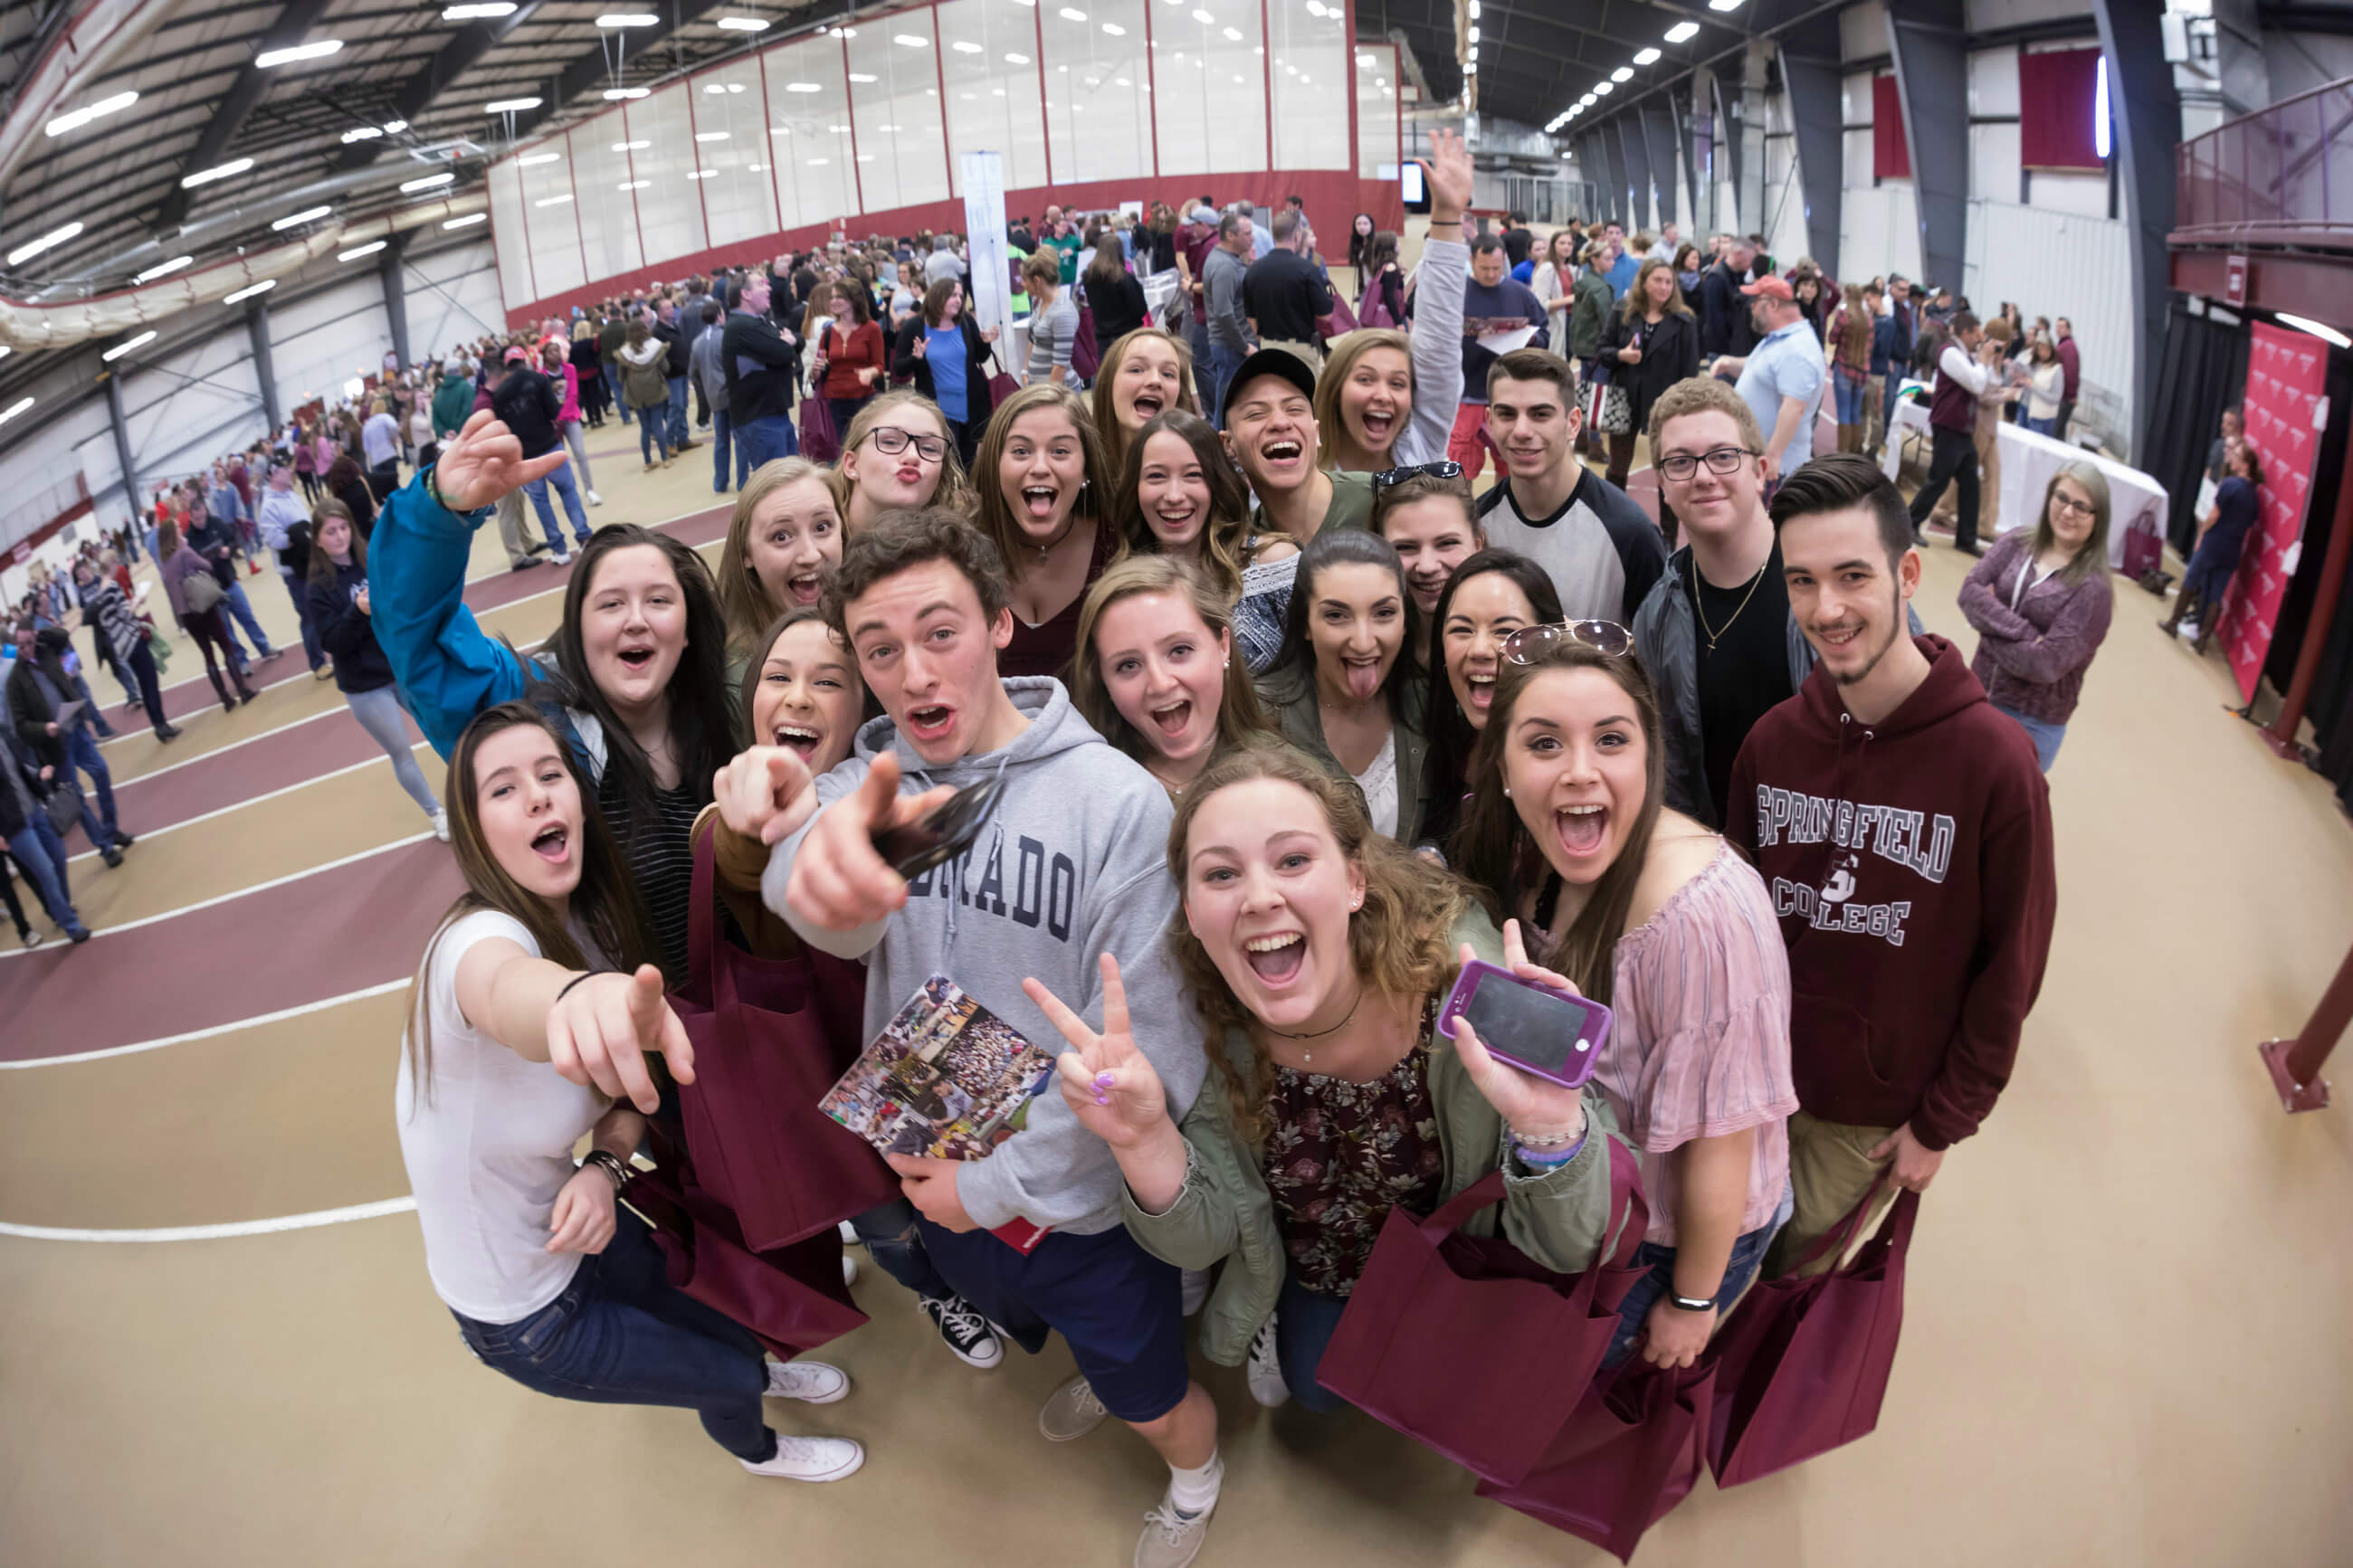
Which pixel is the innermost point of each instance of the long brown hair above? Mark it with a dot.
(1493, 846)
(1638, 297)
(744, 602)
(604, 905)
(1107, 425)
(1854, 334)
(1240, 717)
(1225, 535)
(322, 569)
(2094, 556)
(995, 517)
(1400, 943)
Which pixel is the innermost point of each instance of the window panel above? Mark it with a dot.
(603, 179)
(1210, 112)
(670, 207)
(808, 131)
(1098, 94)
(548, 203)
(989, 55)
(894, 100)
(508, 230)
(1377, 150)
(730, 138)
(1308, 42)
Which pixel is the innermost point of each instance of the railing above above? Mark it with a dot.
(2282, 176)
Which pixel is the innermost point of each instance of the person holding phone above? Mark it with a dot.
(1318, 954)
(1646, 911)
(1066, 865)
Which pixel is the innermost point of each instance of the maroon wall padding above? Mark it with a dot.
(2057, 97)
(1891, 154)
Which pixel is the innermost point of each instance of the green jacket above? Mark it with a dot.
(1590, 314)
(1559, 1217)
(1289, 691)
(453, 405)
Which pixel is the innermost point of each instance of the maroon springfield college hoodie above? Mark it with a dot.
(1910, 862)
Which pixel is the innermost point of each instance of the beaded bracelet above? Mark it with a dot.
(1544, 1157)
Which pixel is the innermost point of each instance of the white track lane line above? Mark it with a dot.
(239, 893)
(310, 1221)
(213, 1033)
(224, 751)
(147, 833)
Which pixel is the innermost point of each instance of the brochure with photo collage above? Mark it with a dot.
(945, 1079)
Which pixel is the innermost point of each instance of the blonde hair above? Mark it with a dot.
(1705, 395)
(992, 516)
(744, 602)
(1329, 430)
(955, 491)
(1242, 719)
(1107, 425)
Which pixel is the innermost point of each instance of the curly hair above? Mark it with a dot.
(900, 539)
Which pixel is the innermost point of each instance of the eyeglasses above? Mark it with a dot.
(891, 440)
(1682, 466)
(2080, 508)
(1530, 644)
(1440, 471)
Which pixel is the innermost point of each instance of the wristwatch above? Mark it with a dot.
(1690, 1303)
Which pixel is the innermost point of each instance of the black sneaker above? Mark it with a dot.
(111, 855)
(963, 1328)
(123, 840)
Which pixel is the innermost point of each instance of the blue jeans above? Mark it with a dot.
(1304, 1323)
(310, 646)
(723, 437)
(1223, 363)
(759, 442)
(1747, 1252)
(2045, 735)
(677, 412)
(569, 489)
(613, 379)
(41, 854)
(621, 1333)
(81, 752)
(2041, 426)
(1851, 395)
(897, 1246)
(241, 607)
(653, 431)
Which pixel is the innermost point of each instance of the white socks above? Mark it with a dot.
(1194, 1492)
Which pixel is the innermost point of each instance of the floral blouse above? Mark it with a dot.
(1340, 1155)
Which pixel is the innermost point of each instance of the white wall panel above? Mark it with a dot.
(670, 204)
(1379, 145)
(604, 175)
(1786, 238)
(895, 99)
(808, 128)
(2060, 264)
(1309, 51)
(989, 57)
(319, 341)
(189, 408)
(731, 130)
(511, 233)
(1211, 110)
(1863, 31)
(37, 472)
(558, 263)
(452, 298)
(1877, 234)
(1098, 105)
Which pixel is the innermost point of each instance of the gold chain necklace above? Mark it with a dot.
(1698, 610)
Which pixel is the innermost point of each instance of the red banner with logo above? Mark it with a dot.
(2285, 374)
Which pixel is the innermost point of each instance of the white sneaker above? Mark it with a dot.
(442, 825)
(811, 1459)
(2186, 631)
(1265, 1370)
(1170, 1539)
(810, 1382)
(848, 1234)
(560, 558)
(849, 1269)
(1071, 1412)
(596, 500)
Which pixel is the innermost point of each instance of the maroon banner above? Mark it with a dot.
(2284, 373)
(2058, 110)
(1891, 154)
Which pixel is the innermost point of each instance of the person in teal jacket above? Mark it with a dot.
(639, 665)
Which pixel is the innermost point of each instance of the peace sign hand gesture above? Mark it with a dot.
(1533, 1108)
(1108, 1084)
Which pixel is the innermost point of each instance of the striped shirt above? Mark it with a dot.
(661, 864)
(1700, 1045)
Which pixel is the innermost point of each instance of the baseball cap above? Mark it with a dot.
(518, 354)
(1772, 286)
(1270, 362)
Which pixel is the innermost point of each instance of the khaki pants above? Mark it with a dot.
(1988, 435)
(1313, 353)
(511, 533)
(1829, 1169)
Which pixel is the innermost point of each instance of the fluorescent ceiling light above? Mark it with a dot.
(616, 94)
(2100, 111)
(711, 136)
(910, 41)
(966, 47)
(510, 106)
(1365, 62)
(1646, 57)
(701, 174)
(817, 163)
(841, 32)
(361, 133)
(162, 269)
(31, 248)
(217, 171)
(368, 250)
(1586, 102)
(627, 19)
(308, 215)
(1115, 30)
(802, 86)
(1723, 5)
(395, 127)
(478, 13)
(1204, 18)
(2304, 323)
(75, 119)
(537, 158)
(744, 24)
(1623, 73)
(1604, 89)
(5, 350)
(716, 87)
(125, 347)
(1474, 32)
(1072, 14)
(317, 51)
(1233, 34)
(426, 183)
(469, 221)
(1475, 10)
(631, 146)
(555, 201)
(1682, 32)
(860, 78)
(1016, 60)
(249, 291)
(636, 184)
(14, 408)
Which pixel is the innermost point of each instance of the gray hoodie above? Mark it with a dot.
(1073, 864)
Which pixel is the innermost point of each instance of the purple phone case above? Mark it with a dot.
(1597, 1020)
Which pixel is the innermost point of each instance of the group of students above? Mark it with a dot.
(1286, 725)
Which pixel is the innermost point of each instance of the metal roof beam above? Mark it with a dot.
(252, 84)
(453, 59)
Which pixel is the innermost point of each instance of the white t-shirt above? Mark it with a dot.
(489, 1149)
(1380, 783)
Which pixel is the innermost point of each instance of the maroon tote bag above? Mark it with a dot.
(1469, 1346)
(1802, 1364)
(1630, 1452)
(770, 1036)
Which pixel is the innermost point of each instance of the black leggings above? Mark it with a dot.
(151, 695)
(207, 630)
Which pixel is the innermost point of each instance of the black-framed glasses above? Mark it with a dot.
(1530, 644)
(1440, 471)
(1682, 466)
(2080, 508)
(891, 440)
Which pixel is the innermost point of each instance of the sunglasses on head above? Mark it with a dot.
(1530, 644)
(1440, 471)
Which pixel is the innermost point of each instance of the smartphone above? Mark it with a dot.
(945, 832)
(1415, 181)
(1551, 1034)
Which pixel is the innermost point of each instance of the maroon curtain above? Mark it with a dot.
(1891, 156)
(2057, 93)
